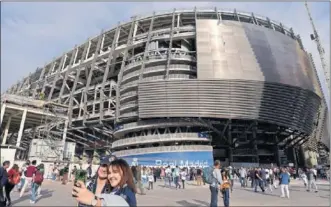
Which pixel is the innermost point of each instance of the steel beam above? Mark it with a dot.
(46, 76)
(271, 26)
(105, 75)
(20, 132)
(75, 84)
(254, 19)
(119, 79)
(71, 97)
(91, 73)
(170, 45)
(88, 50)
(64, 136)
(254, 129)
(146, 48)
(4, 138)
(72, 59)
(38, 81)
(3, 109)
(58, 72)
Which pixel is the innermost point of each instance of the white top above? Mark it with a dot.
(113, 200)
(271, 172)
(243, 173)
(315, 172)
(150, 178)
(267, 175)
(183, 175)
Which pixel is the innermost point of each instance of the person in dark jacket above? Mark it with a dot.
(3, 181)
(99, 183)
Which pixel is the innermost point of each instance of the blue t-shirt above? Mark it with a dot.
(284, 178)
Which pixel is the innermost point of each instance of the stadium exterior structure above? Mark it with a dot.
(186, 86)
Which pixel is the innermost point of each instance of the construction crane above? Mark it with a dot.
(320, 48)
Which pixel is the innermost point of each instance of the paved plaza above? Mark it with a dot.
(55, 194)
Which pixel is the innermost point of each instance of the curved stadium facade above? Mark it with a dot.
(187, 86)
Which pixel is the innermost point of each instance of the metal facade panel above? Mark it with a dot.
(236, 50)
(235, 99)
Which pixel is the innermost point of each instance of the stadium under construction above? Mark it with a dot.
(181, 87)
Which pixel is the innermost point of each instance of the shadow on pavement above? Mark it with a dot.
(260, 192)
(186, 203)
(44, 194)
(167, 186)
(202, 202)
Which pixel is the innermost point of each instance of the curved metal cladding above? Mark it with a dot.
(252, 69)
(244, 72)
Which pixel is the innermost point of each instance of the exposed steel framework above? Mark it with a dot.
(147, 83)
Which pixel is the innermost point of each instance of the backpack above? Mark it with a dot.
(38, 178)
(15, 179)
(207, 175)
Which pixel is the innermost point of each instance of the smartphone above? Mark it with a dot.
(80, 175)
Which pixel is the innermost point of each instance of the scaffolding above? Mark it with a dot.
(40, 120)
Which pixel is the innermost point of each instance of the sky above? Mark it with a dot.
(34, 33)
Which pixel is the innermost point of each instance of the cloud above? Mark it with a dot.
(35, 33)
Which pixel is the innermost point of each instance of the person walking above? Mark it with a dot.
(284, 178)
(242, 174)
(176, 175)
(311, 180)
(30, 171)
(13, 179)
(199, 177)
(225, 187)
(150, 178)
(37, 180)
(167, 177)
(183, 175)
(258, 180)
(41, 169)
(215, 184)
(23, 177)
(3, 182)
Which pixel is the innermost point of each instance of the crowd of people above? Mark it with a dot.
(30, 175)
(116, 183)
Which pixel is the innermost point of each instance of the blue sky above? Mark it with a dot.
(34, 33)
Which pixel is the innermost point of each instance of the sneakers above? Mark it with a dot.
(32, 202)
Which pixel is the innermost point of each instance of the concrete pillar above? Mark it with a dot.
(3, 108)
(64, 136)
(20, 132)
(276, 151)
(4, 139)
(230, 143)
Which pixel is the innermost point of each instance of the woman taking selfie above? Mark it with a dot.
(123, 192)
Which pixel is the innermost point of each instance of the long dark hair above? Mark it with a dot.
(127, 176)
(15, 167)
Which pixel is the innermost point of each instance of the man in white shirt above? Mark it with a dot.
(243, 175)
(167, 176)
